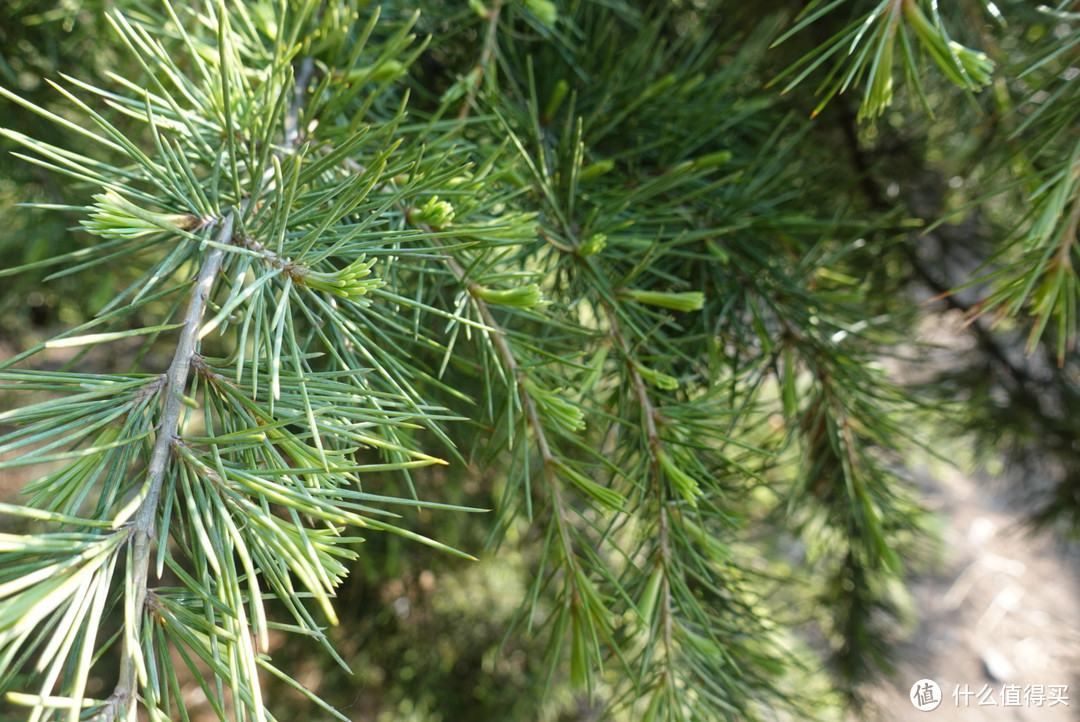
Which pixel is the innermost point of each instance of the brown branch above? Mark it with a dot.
(1068, 234)
(482, 64)
(655, 445)
(502, 346)
(123, 700)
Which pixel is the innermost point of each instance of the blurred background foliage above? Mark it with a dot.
(819, 241)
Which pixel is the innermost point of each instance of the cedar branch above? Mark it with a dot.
(123, 699)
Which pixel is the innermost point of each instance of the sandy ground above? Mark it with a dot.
(1001, 617)
(1001, 620)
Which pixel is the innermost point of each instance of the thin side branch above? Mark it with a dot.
(652, 434)
(484, 62)
(498, 337)
(292, 118)
(123, 700)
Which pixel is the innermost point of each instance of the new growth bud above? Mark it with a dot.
(685, 301)
(434, 213)
(116, 217)
(522, 297)
(349, 282)
(682, 482)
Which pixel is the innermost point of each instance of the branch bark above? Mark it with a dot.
(498, 338)
(655, 445)
(123, 700)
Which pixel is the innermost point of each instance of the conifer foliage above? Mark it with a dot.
(575, 248)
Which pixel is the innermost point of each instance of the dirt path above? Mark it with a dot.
(1001, 619)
